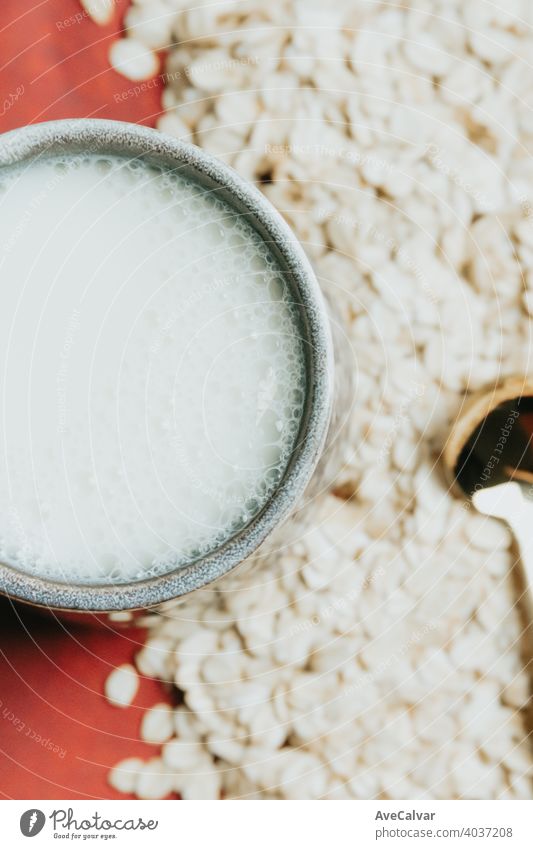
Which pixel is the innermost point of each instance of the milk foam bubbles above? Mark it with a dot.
(151, 370)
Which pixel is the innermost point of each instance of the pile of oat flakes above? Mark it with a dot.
(375, 655)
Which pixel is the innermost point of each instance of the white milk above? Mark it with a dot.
(151, 370)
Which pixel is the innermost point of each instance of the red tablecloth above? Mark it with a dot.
(53, 64)
(58, 736)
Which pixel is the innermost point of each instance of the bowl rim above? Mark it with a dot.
(94, 135)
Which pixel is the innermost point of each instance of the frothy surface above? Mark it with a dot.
(151, 370)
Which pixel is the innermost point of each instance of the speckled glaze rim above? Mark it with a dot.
(113, 137)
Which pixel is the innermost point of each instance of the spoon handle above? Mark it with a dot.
(510, 501)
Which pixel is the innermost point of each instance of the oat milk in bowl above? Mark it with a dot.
(156, 369)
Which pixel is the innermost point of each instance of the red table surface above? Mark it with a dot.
(55, 65)
(58, 735)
